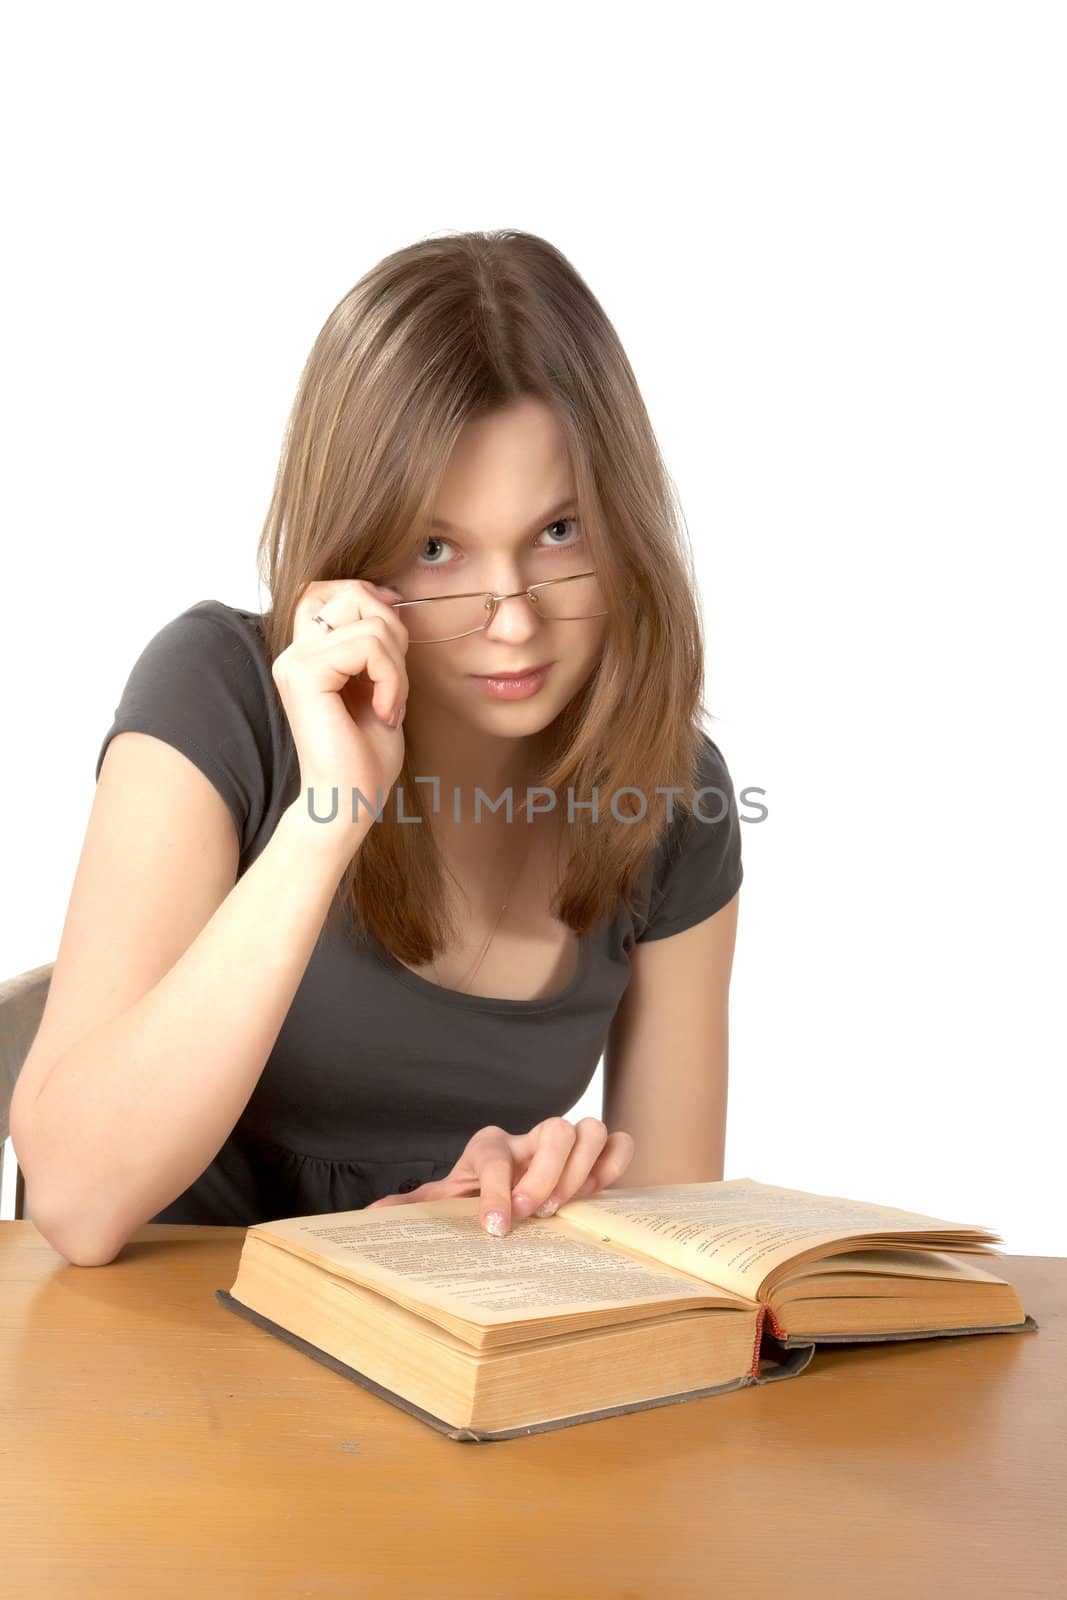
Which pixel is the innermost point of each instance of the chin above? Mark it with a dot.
(517, 716)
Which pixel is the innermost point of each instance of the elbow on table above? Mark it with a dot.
(81, 1238)
(80, 1245)
(80, 1250)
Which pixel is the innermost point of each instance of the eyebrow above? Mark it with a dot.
(570, 504)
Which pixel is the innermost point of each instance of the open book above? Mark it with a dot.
(633, 1299)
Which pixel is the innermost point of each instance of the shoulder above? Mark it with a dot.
(231, 637)
(208, 645)
(203, 684)
(713, 797)
(696, 867)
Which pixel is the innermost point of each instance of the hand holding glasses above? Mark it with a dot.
(355, 656)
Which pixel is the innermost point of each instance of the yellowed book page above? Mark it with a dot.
(435, 1254)
(740, 1233)
(897, 1264)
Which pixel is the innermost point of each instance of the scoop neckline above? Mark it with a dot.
(482, 1002)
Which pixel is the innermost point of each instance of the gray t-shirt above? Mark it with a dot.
(379, 1077)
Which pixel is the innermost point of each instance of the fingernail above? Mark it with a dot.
(495, 1223)
(521, 1205)
(397, 717)
(550, 1207)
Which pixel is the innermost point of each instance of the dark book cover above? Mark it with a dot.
(774, 1361)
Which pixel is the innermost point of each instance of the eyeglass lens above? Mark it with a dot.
(451, 617)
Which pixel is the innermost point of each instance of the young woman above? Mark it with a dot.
(355, 919)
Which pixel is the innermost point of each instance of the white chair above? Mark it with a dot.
(21, 1007)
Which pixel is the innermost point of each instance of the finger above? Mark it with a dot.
(364, 641)
(495, 1172)
(435, 1189)
(320, 591)
(366, 658)
(334, 662)
(609, 1168)
(443, 1189)
(341, 600)
(563, 1160)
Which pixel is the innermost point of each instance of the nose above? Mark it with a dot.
(513, 618)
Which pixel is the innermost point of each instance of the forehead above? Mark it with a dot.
(509, 469)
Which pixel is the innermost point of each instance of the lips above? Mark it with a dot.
(512, 677)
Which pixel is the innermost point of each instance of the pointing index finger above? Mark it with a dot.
(495, 1180)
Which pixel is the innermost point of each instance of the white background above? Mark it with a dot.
(831, 238)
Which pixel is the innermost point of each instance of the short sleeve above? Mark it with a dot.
(698, 867)
(199, 686)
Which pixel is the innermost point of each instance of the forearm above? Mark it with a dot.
(134, 1112)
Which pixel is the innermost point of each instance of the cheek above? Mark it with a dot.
(587, 646)
(420, 672)
(575, 671)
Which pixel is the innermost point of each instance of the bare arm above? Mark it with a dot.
(172, 979)
(170, 987)
(667, 1056)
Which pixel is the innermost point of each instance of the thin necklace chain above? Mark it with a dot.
(462, 989)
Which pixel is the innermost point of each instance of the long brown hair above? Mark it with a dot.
(436, 334)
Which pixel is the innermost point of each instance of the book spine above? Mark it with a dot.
(776, 1327)
(753, 1370)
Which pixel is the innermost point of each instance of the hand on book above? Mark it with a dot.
(523, 1173)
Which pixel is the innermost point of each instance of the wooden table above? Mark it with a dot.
(153, 1444)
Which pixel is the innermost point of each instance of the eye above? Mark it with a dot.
(433, 539)
(561, 522)
(437, 541)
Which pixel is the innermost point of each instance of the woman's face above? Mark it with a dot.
(507, 498)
